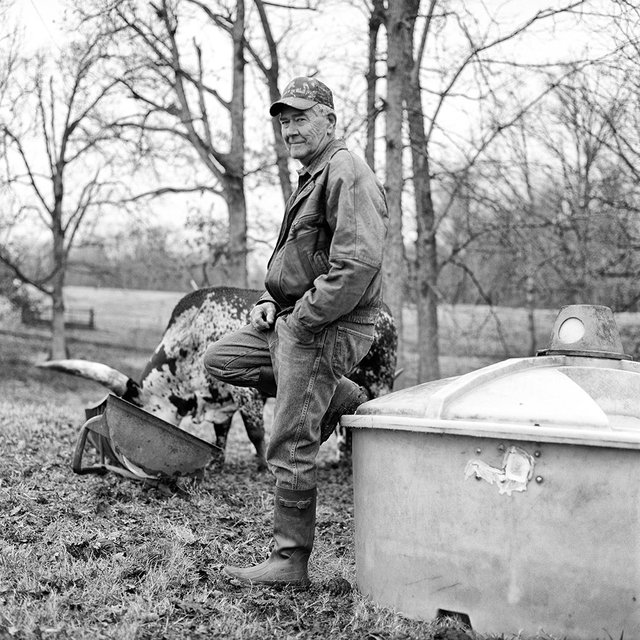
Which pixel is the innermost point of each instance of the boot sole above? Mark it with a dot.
(295, 584)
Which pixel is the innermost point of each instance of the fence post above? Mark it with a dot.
(530, 298)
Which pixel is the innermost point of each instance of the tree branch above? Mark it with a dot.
(477, 49)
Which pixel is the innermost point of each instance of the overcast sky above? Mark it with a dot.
(42, 21)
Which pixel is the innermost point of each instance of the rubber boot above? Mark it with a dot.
(267, 382)
(347, 397)
(294, 523)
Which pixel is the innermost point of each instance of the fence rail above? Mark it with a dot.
(74, 318)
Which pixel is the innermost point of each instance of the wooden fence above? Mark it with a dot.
(74, 317)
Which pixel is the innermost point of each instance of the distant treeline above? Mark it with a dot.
(496, 275)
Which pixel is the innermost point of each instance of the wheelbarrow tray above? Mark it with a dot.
(135, 436)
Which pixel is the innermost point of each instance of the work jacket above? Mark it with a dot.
(328, 257)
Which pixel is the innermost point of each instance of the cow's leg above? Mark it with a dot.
(221, 428)
(344, 443)
(243, 359)
(252, 412)
(220, 417)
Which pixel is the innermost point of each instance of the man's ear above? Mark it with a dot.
(332, 119)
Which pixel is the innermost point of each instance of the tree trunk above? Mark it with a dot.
(234, 178)
(376, 20)
(237, 256)
(58, 336)
(282, 155)
(426, 251)
(394, 260)
(272, 76)
(427, 276)
(282, 162)
(531, 310)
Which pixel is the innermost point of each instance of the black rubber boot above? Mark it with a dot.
(347, 397)
(294, 523)
(267, 382)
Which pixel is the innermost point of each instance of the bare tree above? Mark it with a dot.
(444, 55)
(377, 17)
(181, 84)
(271, 71)
(398, 33)
(563, 208)
(207, 247)
(164, 68)
(597, 202)
(9, 47)
(56, 164)
(624, 73)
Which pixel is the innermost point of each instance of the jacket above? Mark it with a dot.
(327, 261)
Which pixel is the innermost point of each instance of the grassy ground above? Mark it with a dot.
(88, 557)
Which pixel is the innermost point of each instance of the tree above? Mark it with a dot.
(171, 56)
(163, 69)
(560, 208)
(206, 247)
(271, 72)
(624, 75)
(398, 30)
(377, 18)
(591, 195)
(58, 162)
(9, 46)
(438, 60)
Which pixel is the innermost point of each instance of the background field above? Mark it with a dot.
(88, 557)
(471, 336)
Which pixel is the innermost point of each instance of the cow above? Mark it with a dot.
(175, 386)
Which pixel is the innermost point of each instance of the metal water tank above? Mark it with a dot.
(509, 496)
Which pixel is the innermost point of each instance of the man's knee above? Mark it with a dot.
(237, 357)
(225, 364)
(214, 361)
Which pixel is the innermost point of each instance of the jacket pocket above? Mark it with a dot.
(318, 262)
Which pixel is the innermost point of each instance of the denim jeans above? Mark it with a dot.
(306, 374)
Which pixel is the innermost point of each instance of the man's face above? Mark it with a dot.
(305, 133)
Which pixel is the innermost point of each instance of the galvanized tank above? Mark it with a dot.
(510, 495)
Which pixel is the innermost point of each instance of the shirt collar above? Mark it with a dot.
(321, 160)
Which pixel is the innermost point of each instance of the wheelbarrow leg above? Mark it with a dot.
(76, 465)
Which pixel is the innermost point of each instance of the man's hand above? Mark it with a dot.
(262, 316)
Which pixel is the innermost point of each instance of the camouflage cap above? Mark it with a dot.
(303, 93)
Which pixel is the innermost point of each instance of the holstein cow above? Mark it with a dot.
(175, 386)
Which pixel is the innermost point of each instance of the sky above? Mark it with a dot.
(41, 20)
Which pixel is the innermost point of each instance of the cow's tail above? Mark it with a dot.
(116, 381)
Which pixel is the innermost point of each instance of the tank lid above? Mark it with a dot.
(585, 330)
(583, 390)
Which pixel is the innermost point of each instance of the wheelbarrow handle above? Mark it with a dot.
(76, 464)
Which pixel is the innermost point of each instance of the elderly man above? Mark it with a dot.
(314, 322)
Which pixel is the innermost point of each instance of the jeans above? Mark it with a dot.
(306, 374)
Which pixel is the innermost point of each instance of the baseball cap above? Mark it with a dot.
(303, 93)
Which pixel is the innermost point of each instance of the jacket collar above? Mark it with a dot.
(320, 161)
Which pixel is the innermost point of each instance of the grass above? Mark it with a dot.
(88, 557)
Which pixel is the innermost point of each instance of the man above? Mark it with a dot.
(315, 321)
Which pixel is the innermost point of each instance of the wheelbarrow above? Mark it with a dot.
(138, 445)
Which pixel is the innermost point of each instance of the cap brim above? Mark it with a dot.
(297, 103)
